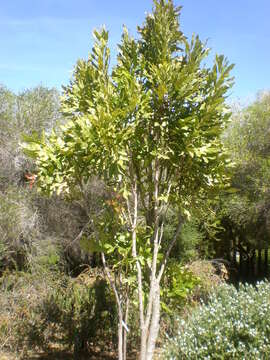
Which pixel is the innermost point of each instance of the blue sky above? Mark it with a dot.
(40, 40)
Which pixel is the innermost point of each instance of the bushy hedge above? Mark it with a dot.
(234, 324)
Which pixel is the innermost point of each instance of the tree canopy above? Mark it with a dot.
(150, 128)
(247, 139)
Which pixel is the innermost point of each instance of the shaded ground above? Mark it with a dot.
(68, 356)
(97, 354)
(61, 355)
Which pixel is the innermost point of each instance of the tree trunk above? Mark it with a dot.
(259, 268)
(120, 337)
(119, 306)
(149, 333)
(154, 326)
(125, 331)
(143, 344)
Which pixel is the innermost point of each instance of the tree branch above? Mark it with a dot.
(165, 260)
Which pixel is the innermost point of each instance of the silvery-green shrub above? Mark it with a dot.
(234, 324)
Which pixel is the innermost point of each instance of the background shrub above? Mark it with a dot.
(234, 324)
(19, 227)
(74, 314)
(48, 309)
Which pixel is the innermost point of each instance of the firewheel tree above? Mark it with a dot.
(149, 128)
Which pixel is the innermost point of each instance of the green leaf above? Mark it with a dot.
(90, 245)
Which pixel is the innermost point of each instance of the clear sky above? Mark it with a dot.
(40, 40)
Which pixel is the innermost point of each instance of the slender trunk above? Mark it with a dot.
(150, 314)
(125, 331)
(153, 279)
(259, 269)
(120, 336)
(154, 326)
(133, 223)
(119, 306)
(149, 333)
(143, 343)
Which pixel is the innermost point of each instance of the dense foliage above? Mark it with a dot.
(234, 324)
(149, 128)
(244, 212)
(141, 217)
(31, 111)
(48, 308)
(28, 221)
(37, 238)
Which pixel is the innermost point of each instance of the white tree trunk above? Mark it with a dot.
(125, 331)
(149, 333)
(154, 325)
(120, 337)
(143, 344)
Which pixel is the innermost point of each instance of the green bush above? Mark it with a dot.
(189, 241)
(178, 285)
(19, 227)
(75, 313)
(47, 309)
(20, 292)
(234, 324)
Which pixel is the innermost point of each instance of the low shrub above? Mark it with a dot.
(210, 274)
(75, 314)
(20, 292)
(19, 227)
(47, 309)
(184, 287)
(234, 324)
(178, 287)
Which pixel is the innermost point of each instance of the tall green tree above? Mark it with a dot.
(150, 129)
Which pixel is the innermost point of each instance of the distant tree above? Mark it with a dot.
(37, 110)
(150, 129)
(248, 141)
(31, 111)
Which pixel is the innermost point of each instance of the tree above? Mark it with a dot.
(150, 129)
(31, 111)
(247, 138)
(28, 112)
